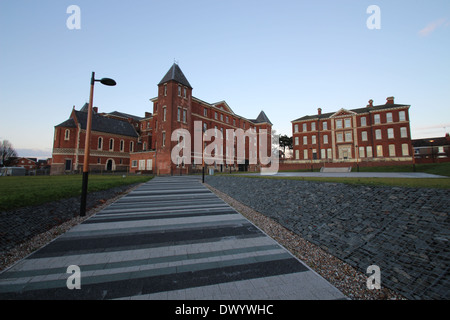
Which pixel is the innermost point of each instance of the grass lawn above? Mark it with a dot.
(24, 191)
(442, 169)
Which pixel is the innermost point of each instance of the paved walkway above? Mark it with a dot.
(169, 239)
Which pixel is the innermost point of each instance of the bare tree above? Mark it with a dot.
(6, 152)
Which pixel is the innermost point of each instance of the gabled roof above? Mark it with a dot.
(175, 74)
(107, 125)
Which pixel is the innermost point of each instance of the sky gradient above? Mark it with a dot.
(287, 58)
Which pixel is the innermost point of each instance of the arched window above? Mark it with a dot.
(121, 145)
(100, 143)
(67, 134)
(111, 144)
(131, 146)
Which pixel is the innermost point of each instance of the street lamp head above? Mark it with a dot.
(108, 82)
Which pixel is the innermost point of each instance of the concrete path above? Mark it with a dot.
(169, 239)
(416, 175)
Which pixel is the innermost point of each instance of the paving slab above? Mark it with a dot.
(170, 239)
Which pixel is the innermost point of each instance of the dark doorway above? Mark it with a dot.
(109, 165)
(68, 165)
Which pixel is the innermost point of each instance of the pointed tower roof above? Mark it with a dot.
(262, 118)
(175, 74)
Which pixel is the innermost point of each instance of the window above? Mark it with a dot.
(297, 154)
(376, 119)
(313, 139)
(305, 140)
(364, 136)
(221, 117)
(403, 132)
(226, 119)
(389, 117)
(402, 116)
(348, 123)
(313, 126)
(369, 152)
(205, 112)
(338, 124)
(378, 134)
(363, 121)
(390, 133)
(305, 154)
(348, 136)
(165, 92)
(234, 122)
(305, 128)
(184, 93)
(100, 143)
(405, 149)
(323, 153)
(164, 113)
(141, 164)
(325, 126)
(325, 139)
(111, 144)
(339, 137)
(179, 114)
(179, 91)
(163, 139)
(215, 115)
(184, 115)
(361, 152)
(67, 134)
(379, 151)
(144, 146)
(149, 164)
(122, 145)
(296, 141)
(329, 153)
(296, 128)
(131, 146)
(134, 163)
(205, 127)
(392, 150)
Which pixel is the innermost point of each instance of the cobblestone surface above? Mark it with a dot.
(18, 226)
(405, 231)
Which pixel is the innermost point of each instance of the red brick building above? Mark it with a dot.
(28, 164)
(176, 108)
(113, 137)
(123, 142)
(374, 135)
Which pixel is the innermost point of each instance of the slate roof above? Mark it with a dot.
(125, 115)
(175, 74)
(107, 125)
(70, 123)
(358, 110)
(439, 141)
(262, 117)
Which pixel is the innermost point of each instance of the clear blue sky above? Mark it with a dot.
(287, 58)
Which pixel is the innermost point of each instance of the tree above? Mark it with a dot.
(285, 141)
(6, 152)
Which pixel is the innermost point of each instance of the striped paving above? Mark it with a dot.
(169, 239)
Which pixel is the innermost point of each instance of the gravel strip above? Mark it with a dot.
(344, 277)
(23, 244)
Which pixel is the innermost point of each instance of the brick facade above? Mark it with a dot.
(372, 134)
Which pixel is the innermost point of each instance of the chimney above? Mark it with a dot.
(148, 114)
(319, 111)
(95, 109)
(447, 136)
(390, 100)
(370, 105)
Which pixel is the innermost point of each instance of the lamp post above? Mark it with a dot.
(106, 82)
(432, 150)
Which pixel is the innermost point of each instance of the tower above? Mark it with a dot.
(172, 110)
